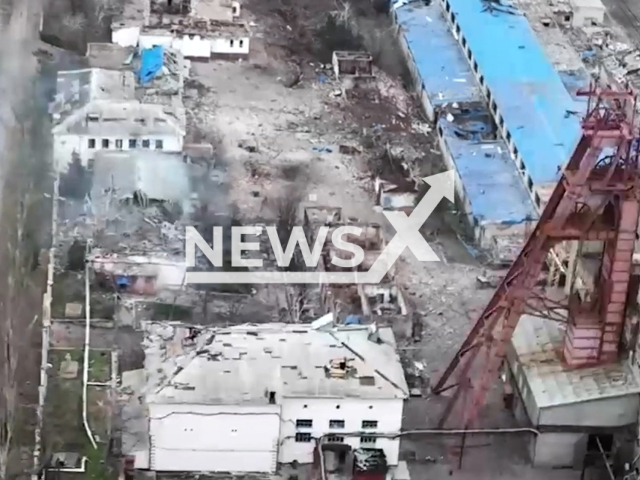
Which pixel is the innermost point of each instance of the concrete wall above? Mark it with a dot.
(522, 388)
(64, 146)
(558, 450)
(237, 46)
(584, 15)
(388, 414)
(196, 46)
(606, 412)
(397, 200)
(196, 438)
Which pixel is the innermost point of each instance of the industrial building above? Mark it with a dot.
(509, 123)
(245, 398)
(448, 87)
(563, 356)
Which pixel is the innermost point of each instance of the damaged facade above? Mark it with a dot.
(396, 192)
(97, 109)
(357, 303)
(273, 393)
(198, 29)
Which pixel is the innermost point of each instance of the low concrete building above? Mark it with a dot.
(352, 64)
(196, 29)
(96, 109)
(396, 192)
(198, 39)
(243, 399)
(573, 409)
(587, 13)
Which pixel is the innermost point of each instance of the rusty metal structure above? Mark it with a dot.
(597, 198)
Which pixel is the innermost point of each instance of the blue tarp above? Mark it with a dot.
(353, 320)
(150, 64)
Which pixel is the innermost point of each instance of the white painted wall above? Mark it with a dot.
(65, 145)
(126, 36)
(210, 438)
(195, 46)
(556, 450)
(148, 40)
(388, 414)
(586, 12)
(235, 46)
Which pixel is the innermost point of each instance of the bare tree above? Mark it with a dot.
(74, 23)
(23, 136)
(104, 9)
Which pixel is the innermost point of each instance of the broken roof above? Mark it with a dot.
(157, 175)
(110, 56)
(77, 88)
(135, 14)
(131, 118)
(242, 364)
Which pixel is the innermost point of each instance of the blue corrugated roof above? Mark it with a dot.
(528, 91)
(443, 68)
(491, 182)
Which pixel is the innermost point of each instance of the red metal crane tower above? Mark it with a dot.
(597, 198)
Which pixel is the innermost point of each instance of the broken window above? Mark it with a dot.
(368, 440)
(92, 143)
(92, 117)
(105, 143)
(369, 424)
(132, 143)
(334, 439)
(336, 423)
(145, 143)
(119, 144)
(159, 145)
(304, 423)
(303, 437)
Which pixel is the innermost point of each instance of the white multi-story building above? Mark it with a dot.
(246, 398)
(96, 109)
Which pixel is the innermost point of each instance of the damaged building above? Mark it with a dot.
(198, 29)
(396, 192)
(471, 146)
(97, 109)
(357, 303)
(470, 140)
(273, 394)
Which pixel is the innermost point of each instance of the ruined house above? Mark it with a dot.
(273, 394)
(96, 109)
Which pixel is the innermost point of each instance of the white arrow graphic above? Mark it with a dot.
(407, 236)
